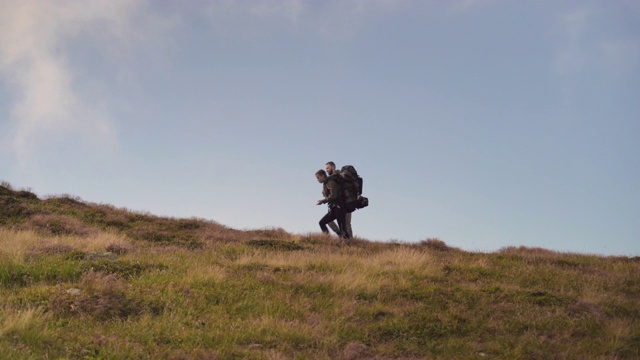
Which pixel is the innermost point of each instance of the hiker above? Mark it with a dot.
(332, 224)
(330, 167)
(331, 192)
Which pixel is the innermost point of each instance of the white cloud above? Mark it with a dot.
(35, 66)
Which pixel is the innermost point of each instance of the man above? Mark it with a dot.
(330, 167)
(331, 192)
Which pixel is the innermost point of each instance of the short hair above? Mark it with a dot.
(321, 172)
(331, 163)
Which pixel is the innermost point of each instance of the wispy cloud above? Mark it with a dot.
(588, 45)
(35, 66)
(572, 55)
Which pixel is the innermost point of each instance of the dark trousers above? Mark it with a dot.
(338, 214)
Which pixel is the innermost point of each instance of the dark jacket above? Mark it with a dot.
(331, 191)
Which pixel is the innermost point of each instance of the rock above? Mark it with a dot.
(74, 291)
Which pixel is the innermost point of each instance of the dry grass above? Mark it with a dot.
(194, 289)
(266, 299)
(18, 245)
(18, 320)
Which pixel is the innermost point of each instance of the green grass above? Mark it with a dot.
(88, 281)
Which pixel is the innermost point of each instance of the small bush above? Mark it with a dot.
(5, 187)
(52, 224)
(13, 211)
(68, 200)
(435, 245)
(101, 297)
(75, 255)
(188, 224)
(53, 249)
(25, 194)
(117, 249)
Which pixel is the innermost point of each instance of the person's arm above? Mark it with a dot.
(324, 194)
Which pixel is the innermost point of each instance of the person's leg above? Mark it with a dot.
(340, 216)
(329, 217)
(334, 227)
(348, 224)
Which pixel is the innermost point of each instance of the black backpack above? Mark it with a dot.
(351, 189)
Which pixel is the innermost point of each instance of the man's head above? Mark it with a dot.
(330, 167)
(321, 176)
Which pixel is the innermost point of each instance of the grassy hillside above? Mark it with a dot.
(89, 281)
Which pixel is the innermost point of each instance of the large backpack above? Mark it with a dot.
(351, 189)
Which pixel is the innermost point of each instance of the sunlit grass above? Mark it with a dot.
(20, 320)
(18, 245)
(327, 301)
(86, 281)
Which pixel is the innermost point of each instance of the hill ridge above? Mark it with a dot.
(82, 280)
(70, 215)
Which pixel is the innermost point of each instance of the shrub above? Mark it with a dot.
(5, 187)
(100, 297)
(13, 211)
(117, 249)
(435, 244)
(68, 200)
(25, 194)
(53, 249)
(52, 224)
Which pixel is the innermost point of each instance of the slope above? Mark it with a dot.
(81, 280)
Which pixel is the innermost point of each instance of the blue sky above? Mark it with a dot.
(483, 123)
